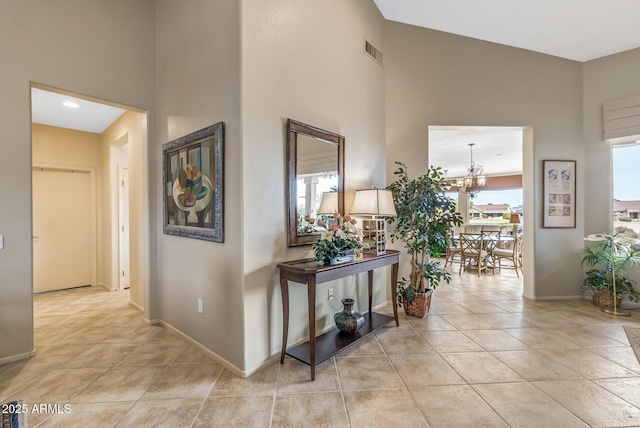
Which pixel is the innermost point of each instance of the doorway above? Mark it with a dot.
(505, 155)
(75, 133)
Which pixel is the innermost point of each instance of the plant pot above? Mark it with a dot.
(420, 305)
(605, 298)
(348, 257)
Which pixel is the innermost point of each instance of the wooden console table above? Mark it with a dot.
(311, 273)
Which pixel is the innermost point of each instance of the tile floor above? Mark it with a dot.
(483, 357)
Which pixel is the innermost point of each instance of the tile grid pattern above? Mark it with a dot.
(483, 357)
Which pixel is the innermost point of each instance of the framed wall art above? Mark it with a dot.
(193, 174)
(559, 193)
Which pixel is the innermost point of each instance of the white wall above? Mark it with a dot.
(198, 72)
(93, 47)
(434, 78)
(131, 127)
(305, 61)
(605, 79)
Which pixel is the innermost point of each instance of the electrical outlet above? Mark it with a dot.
(1, 242)
(330, 292)
(200, 305)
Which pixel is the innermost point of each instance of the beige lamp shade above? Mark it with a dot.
(328, 203)
(375, 202)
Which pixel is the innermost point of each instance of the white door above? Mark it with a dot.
(123, 228)
(61, 229)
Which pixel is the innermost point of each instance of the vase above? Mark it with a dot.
(420, 306)
(348, 321)
(347, 257)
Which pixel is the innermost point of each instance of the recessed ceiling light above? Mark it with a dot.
(70, 104)
(498, 154)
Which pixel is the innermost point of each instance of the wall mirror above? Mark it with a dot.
(315, 165)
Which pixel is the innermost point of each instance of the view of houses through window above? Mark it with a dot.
(494, 207)
(626, 195)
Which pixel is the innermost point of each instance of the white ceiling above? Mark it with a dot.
(497, 149)
(580, 30)
(47, 109)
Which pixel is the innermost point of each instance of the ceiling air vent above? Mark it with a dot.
(373, 52)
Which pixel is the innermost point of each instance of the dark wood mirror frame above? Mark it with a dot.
(294, 129)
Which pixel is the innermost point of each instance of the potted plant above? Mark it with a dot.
(424, 215)
(608, 259)
(339, 242)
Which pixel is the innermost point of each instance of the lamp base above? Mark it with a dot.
(612, 310)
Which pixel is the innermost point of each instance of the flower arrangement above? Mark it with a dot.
(341, 236)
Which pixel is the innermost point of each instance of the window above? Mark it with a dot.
(626, 196)
(490, 205)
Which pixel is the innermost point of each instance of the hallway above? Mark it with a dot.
(483, 357)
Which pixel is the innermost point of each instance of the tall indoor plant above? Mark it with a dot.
(424, 215)
(605, 263)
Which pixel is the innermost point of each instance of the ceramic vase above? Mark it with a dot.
(348, 321)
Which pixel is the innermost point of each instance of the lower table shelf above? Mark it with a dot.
(333, 341)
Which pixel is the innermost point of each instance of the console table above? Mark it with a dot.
(311, 273)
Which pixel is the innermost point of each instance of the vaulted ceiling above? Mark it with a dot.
(580, 30)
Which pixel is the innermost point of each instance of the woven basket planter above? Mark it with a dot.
(420, 305)
(605, 298)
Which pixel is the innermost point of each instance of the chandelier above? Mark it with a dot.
(475, 180)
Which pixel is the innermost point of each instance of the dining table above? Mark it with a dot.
(500, 240)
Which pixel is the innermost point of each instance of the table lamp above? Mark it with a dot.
(328, 206)
(515, 221)
(377, 203)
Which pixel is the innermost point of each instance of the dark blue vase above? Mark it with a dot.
(348, 321)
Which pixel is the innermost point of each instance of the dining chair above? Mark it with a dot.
(513, 254)
(452, 250)
(520, 245)
(472, 252)
(490, 241)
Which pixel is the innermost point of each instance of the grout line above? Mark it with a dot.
(344, 402)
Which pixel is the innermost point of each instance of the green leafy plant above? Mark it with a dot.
(340, 237)
(603, 259)
(424, 215)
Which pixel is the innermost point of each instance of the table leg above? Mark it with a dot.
(284, 289)
(394, 291)
(311, 297)
(370, 290)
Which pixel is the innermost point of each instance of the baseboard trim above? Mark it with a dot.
(105, 286)
(18, 357)
(215, 357)
(228, 365)
(625, 303)
(138, 307)
(381, 305)
(576, 297)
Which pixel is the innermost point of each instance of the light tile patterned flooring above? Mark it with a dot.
(483, 357)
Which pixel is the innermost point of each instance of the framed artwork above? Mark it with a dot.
(559, 193)
(193, 174)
